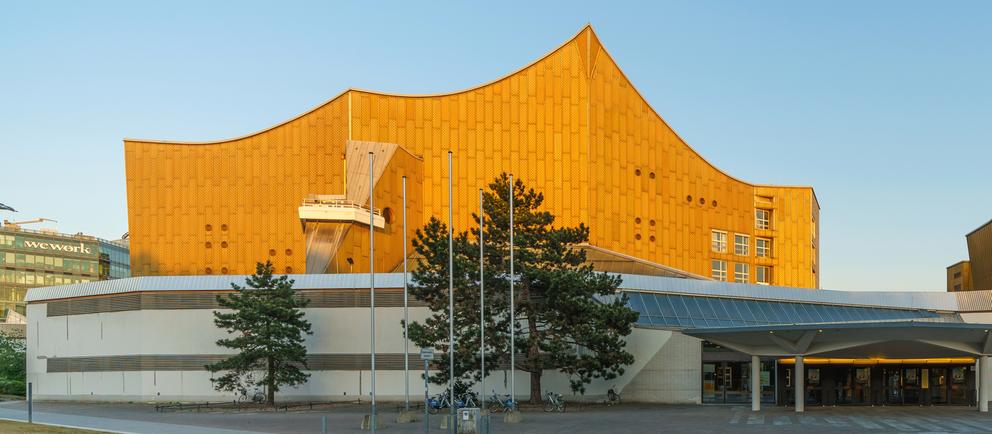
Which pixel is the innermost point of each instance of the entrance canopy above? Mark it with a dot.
(896, 339)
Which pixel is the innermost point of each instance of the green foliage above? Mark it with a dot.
(569, 317)
(13, 366)
(269, 333)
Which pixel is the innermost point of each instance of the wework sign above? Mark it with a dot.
(69, 248)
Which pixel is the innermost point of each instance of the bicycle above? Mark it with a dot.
(438, 402)
(501, 404)
(554, 402)
(612, 396)
(468, 400)
(257, 396)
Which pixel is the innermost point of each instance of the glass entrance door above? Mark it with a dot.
(911, 386)
(730, 383)
(937, 385)
(892, 384)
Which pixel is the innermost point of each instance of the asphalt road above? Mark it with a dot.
(628, 418)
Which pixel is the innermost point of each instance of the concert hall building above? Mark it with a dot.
(724, 272)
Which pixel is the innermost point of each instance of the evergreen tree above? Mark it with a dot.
(569, 317)
(267, 321)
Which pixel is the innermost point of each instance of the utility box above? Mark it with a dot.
(469, 421)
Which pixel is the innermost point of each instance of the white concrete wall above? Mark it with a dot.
(336, 330)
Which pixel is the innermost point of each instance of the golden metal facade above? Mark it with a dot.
(570, 125)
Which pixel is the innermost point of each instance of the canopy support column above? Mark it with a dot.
(755, 383)
(800, 383)
(985, 372)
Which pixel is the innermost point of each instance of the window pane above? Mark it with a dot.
(694, 311)
(651, 304)
(742, 309)
(634, 298)
(759, 315)
(770, 314)
(664, 302)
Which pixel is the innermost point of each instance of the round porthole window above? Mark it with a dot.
(637, 236)
(223, 227)
(272, 252)
(208, 244)
(714, 204)
(223, 270)
(651, 175)
(289, 270)
(289, 252)
(209, 270)
(208, 228)
(223, 244)
(637, 220)
(702, 201)
(651, 222)
(637, 172)
(652, 238)
(688, 198)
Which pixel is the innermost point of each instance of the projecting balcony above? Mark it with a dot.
(337, 209)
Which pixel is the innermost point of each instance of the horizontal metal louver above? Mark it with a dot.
(327, 298)
(197, 362)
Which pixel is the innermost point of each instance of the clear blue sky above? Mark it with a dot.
(885, 107)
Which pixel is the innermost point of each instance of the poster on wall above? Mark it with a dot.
(863, 375)
(813, 376)
(766, 379)
(957, 374)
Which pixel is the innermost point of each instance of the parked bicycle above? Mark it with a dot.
(257, 396)
(442, 401)
(501, 404)
(468, 400)
(554, 402)
(438, 402)
(612, 396)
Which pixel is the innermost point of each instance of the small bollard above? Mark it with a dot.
(30, 402)
(323, 424)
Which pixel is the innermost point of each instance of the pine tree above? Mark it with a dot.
(569, 317)
(267, 321)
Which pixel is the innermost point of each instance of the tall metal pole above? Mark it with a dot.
(372, 276)
(513, 317)
(482, 304)
(406, 312)
(451, 299)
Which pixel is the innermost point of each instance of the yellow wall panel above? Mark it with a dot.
(570, 125)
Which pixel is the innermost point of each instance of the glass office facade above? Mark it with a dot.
(31, 258)
(690, 311)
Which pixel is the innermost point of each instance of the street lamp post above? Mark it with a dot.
(372, 279)
(451, 300)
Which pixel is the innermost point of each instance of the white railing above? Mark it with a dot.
(339, 203)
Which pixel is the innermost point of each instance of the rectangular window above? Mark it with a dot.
(742, 245)
(719, 241)
(957, 275)
(763, 247)
(719, 270)
(741, 273)
(763, 275)
(762, 218)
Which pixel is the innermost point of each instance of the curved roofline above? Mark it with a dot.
(539, 59)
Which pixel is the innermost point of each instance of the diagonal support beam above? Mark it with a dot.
(801, 346)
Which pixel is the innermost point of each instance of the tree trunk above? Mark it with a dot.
(271, 392)
(534, 361)
(535, 387)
